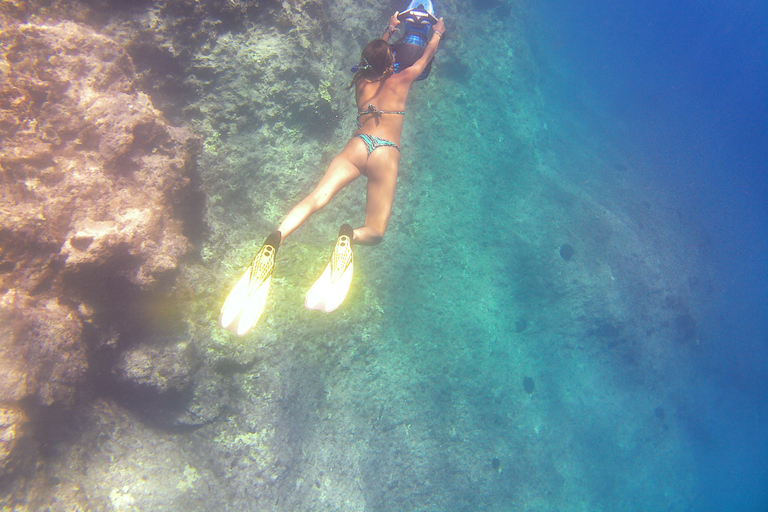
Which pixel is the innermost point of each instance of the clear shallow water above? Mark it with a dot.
(688, 84)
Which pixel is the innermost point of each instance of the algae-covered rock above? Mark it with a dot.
(41, 349)
(12, 433)
(160, 368)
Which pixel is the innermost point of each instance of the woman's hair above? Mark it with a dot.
(376, 63)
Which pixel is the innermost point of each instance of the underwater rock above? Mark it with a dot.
(42, 354)
(528, 385)
(157, 380)
(160, 368)
(567, 251)
(521, 325)
(211, 394)
(92, 171)
(12, 436)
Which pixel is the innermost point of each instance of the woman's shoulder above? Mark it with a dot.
(392, 89)
(397, 83)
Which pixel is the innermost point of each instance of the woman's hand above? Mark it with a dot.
(439, 27)
(393, 21)
(392, 28)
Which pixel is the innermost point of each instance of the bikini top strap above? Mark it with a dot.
(376, 112)
(370, 110)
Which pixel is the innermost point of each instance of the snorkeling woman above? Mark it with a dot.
(373, 152)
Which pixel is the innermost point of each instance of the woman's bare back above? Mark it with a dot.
(388, 98)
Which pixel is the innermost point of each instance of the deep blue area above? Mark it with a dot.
(688, 83)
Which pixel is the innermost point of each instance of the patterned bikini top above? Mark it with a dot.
(378, 113)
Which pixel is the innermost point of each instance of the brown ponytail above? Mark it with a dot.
(376, 63)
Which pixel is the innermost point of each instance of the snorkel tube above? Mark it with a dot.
(417, 20)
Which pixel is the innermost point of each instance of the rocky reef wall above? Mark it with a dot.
(95, 184)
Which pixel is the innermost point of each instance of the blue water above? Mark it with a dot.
(686, 83)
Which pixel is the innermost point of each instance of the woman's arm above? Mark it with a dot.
(393, 23)
(411, 73)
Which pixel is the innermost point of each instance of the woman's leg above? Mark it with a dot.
(382, 181)
(341, 172)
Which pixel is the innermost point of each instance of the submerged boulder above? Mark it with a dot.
(42, 353)
(159, 368)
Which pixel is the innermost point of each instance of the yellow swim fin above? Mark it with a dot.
(246, 301)
(331, 288)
